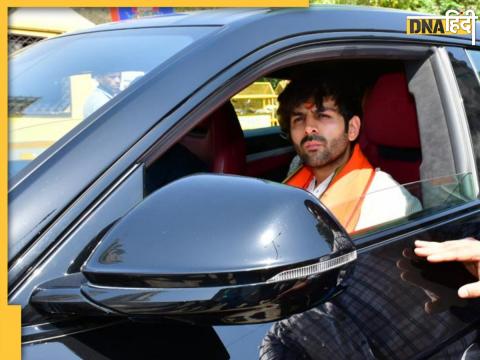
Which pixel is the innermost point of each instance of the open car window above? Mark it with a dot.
(403, 121)
(256, 106)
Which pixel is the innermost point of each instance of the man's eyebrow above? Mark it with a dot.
(327, 108)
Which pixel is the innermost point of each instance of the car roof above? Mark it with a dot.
(312, 19)
(222, 17)
(213, 17)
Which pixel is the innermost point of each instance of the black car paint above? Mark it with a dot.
(180, 252)
(243, 38)
(176, 124)
(237, 39)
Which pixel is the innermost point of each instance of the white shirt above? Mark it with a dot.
(97, 98)
(319, 189)
(384, 201)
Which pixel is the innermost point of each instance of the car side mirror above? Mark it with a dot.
(212, 249)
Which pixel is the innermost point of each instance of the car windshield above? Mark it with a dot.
(56, 84)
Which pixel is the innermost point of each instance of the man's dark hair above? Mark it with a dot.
(340, 89)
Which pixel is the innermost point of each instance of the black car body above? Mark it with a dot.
(391, 306)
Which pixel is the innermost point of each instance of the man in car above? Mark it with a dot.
(322, 118)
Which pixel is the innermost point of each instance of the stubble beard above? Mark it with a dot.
(327, 155)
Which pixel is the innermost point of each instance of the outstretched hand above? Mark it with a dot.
(466, 251)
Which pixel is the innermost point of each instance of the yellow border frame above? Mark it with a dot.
(10, 315)
(154, 3)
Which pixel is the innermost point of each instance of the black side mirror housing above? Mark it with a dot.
(212, 249)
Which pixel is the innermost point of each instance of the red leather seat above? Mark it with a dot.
(389, 137)
(219, 141)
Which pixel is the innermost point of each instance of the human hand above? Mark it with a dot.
(466, 251)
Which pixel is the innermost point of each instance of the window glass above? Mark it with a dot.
(55, 84)
(256, 105)
(466, 65)
(475, 58)
(395, 205)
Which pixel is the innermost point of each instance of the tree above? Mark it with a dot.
(438, 7)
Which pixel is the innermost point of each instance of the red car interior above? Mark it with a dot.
(390, 138)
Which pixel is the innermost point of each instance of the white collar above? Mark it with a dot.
(319, 189)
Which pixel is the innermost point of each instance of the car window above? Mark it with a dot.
(256, 105)
(56, 84)
(466, 66)
(414, 180)
(413, 200)
(475, 58)
(395, 138)
(268, 152)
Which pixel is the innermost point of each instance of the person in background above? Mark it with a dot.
(108, 87)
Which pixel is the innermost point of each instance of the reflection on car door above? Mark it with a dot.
(396, 306)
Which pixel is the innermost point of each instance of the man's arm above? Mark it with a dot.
(466, 251)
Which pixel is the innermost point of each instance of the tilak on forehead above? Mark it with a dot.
(309, 104)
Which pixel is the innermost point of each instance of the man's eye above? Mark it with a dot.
(296, 120)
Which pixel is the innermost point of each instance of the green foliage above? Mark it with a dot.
(438, 7)
(273, 81)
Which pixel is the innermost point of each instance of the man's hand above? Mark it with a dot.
(466, 251)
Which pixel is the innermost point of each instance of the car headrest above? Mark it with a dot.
(219, 141)
(390, 117)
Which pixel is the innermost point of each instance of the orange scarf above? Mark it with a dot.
(345, 193)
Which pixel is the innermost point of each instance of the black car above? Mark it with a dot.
(155, 224)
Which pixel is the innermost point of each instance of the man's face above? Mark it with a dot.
(318, 135)
(111, 81)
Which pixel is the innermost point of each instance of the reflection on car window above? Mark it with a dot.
(433, 195)
(256, 105)
(466, 65)
(475, 57)
(56, 84)
(106, 87)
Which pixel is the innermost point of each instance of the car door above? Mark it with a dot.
(380, 248)
(397, 306)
